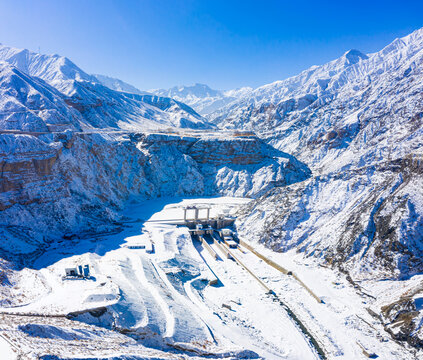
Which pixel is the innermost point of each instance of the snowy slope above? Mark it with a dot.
(118, 85)
(363, 127)
(106, 108)
(99, 106)
(345, 110)
(201, 97)
(368, 121)
(54, 69)
(29, 104)
(357, 122)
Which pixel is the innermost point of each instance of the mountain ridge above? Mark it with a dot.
(119, 85)
(98, 106)
(359, 126)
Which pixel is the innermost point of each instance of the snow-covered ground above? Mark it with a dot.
(6, 350)
(158, 304)
(341, 323)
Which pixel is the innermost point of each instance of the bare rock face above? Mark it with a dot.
(402, 319)
(242, 151)
(216, 150)
(26, 160)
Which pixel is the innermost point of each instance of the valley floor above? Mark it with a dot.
(142, 304)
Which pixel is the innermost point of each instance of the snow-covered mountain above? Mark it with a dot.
(58, 123)
(193, 92)
(30, 104)
(54, 69)
(327, 111)
(357, 122)
(345, 207)
(202, 98)
(118, 85)
(355, 113)
(98, 106)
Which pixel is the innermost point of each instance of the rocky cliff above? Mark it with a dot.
(74, 183)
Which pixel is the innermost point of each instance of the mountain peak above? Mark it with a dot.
(51, 68)
(353, 56)
(197, 90)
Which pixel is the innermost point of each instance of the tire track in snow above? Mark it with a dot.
(186, 323)
(153, 277)
(131, 301)
(168, 329)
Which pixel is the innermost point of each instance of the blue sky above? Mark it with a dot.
(225, 44)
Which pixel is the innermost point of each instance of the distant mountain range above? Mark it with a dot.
(201, 97)
(119, 85)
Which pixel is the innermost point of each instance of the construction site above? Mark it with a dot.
(179, 277)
